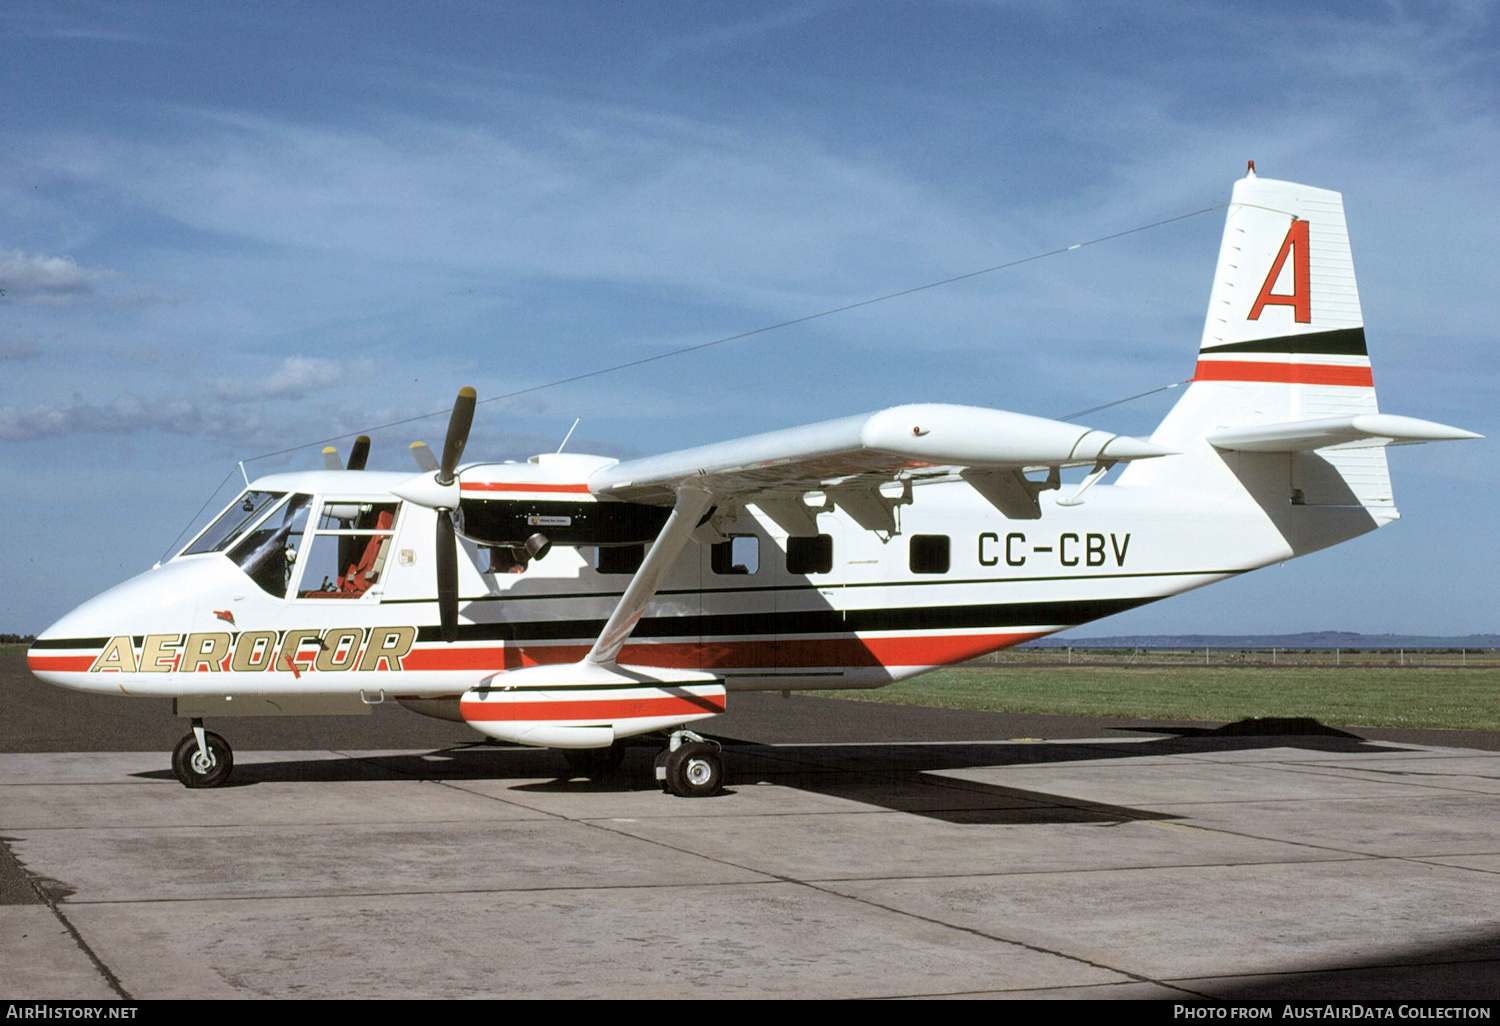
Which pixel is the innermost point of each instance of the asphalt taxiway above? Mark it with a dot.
(859, 850)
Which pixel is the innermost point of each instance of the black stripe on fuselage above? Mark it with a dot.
(1339, 342)
(811, 621)
(74, 642)
(814, 585)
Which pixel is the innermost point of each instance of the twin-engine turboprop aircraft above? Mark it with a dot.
(575, 601)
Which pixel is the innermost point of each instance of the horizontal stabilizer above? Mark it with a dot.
(1358, 432)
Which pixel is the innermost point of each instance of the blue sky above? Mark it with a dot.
(230, 229)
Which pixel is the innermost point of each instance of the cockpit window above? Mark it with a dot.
(268, 553)
(242, 512)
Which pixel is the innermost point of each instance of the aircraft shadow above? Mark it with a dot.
(903, 778)
(1460, 971)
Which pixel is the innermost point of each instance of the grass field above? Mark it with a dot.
(1385, 696)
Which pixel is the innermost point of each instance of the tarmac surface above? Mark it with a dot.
(859, 850)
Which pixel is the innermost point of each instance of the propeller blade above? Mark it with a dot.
(331, 458)
(422, 453)
(360, 453)
(458, 434)
(447, 576)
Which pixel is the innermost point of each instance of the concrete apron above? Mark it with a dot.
(1167, 867)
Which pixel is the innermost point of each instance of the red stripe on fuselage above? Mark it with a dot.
(928, 650)
(786, 653)
(70, 664)
(1284, 373)
(510, 486)
(591, 709)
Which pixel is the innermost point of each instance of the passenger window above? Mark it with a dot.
(929, 554)
(619, 559)
(809, 555)
(739, 555)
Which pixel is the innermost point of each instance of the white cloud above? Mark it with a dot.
(48, 280)
(297, 376)
(611, 195)
(125, 414)
(240, 412)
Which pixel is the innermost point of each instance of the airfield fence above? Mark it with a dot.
(1409, 658)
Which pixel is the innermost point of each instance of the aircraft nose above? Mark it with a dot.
(164, 600)
(64, 649)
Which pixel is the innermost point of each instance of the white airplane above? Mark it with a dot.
(575, 601)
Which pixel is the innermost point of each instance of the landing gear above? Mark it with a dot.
(202, 759)
(691, 768)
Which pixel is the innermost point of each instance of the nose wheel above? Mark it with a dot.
(691, 767)
(202, 758)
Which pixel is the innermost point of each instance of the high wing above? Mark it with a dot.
(850, 458)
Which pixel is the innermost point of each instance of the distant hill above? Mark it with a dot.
(1307, 639)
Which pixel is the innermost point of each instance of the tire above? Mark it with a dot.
(695, 770)
(187, 762)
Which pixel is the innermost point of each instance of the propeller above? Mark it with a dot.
(459, 423)
(447, 575)
(440, 491)
(446, 543)
(424, 457)
(359, 453)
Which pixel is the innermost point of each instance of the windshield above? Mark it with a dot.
(242, 512)
(268, 553)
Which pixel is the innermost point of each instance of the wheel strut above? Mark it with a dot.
(202, 758)
(691, 767)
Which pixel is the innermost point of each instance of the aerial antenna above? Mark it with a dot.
(569, 434)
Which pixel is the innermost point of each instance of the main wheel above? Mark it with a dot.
(193, 770)
(695, 770)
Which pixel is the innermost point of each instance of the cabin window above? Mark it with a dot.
(739, 555)
(619, 559)
(809, 555)
(269, 552)
(929, 554)
(348, 553)
(225, 530)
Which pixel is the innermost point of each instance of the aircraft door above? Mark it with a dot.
(347, 553)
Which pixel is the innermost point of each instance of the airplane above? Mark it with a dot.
(575, 602)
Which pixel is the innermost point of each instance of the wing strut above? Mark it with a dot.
(689, 508)
(595, 702)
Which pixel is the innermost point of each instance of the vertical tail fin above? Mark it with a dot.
(1284, 310)
(1284, 341)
